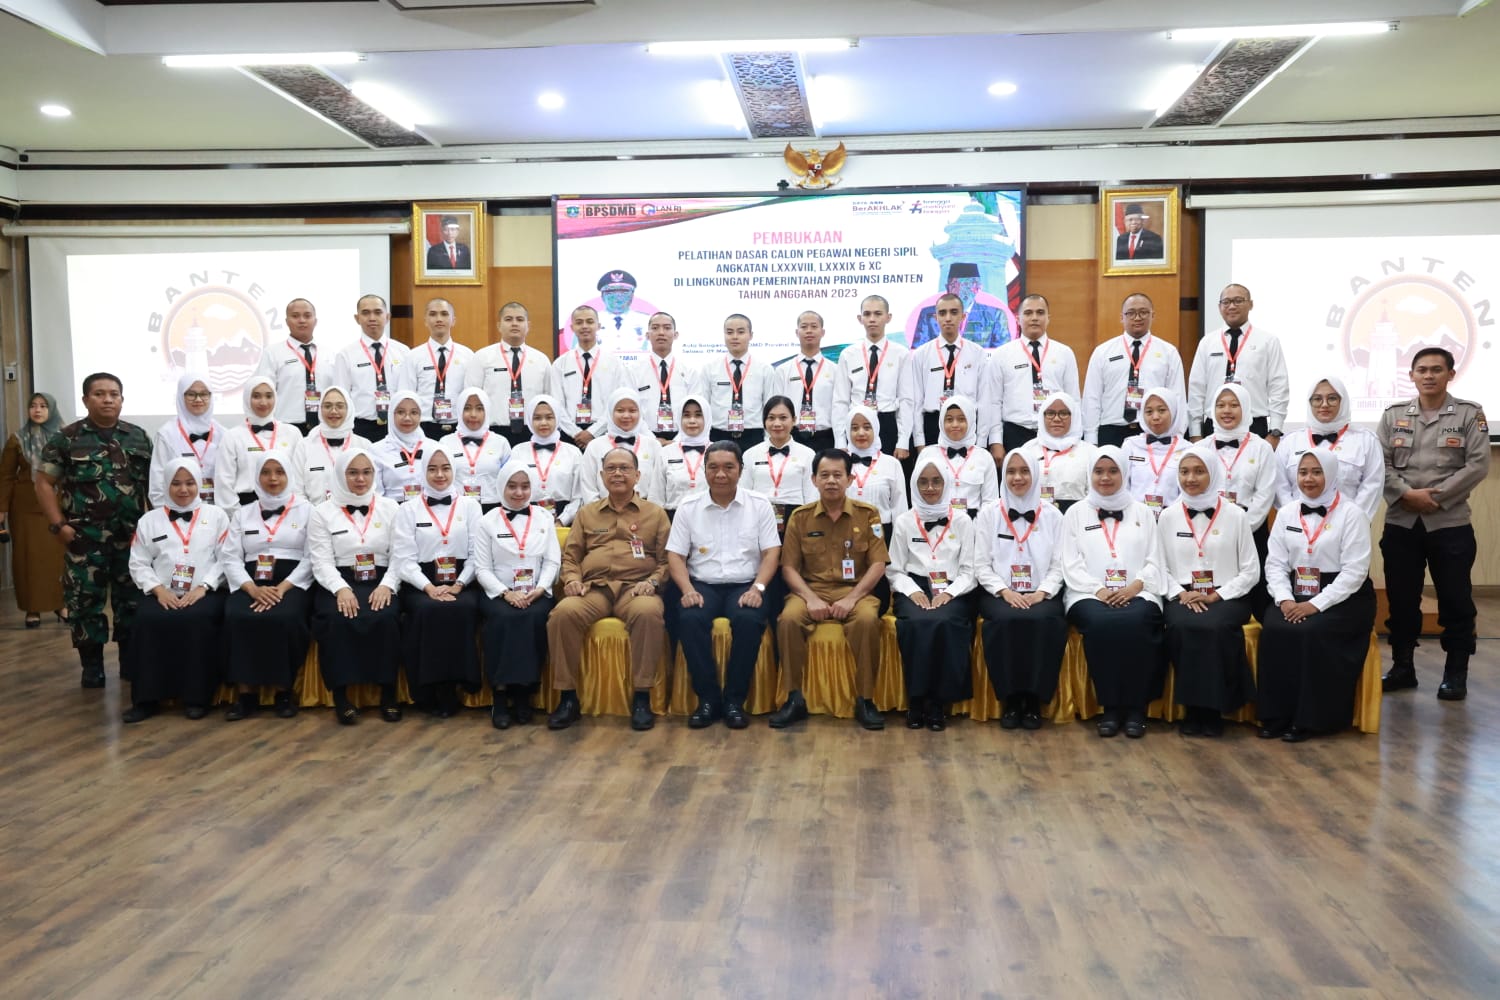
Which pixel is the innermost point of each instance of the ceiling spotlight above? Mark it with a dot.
(551, 100)
(1001, 88)
(55, 111)
(262, 59)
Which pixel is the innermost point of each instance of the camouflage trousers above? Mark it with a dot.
(98, 571)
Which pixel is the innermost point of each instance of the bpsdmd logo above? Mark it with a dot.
(219, 330)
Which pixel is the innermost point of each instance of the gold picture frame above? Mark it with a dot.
(1149, 215)
(436, 261)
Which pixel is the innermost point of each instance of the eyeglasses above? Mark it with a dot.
(196, 395)
(1136, 313)
(1056, 414)
(1325, 400)
(1236, 301)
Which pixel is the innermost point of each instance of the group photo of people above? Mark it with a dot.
(439, 522)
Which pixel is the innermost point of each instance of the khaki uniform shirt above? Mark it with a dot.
(816, 545)
(599, 550)
(1450, 453)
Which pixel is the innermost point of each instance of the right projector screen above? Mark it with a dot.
(1356, 290)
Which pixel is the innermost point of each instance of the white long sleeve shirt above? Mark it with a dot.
(426, 534)
(158, 550)
(1022, 556)
(1089, 552)
(317, 463)
(975, 481)
(924, 377)
(1342, 547)
(172, 443)
(606, 374)
(1251, 474)
(354, 367)
(647, 455)
(476, 466)
(1065, 474)
(881, 484)
(285, 364)
(420, 375)
(1361, 467)
(1012, 395)
(791, 376)
(283, 536)
(527, 543)
(236, 460)
(337, 538)
(490, 369)
(1108, 376)
(783, 479)
(655, 398)
(942, 555)
(1228, 550)
(852, 378)
(759, 381)
(1152, 470)
(556, 476)
(1260, 367)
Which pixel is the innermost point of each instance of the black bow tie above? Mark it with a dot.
(1157, 439)
(1118, 515)
(357, 508)
(1320, 438)
(435, 501)
(335, 442)
(179, 515)
(860, 459)
(466, 439)
(1227, 444)
(266, 515)
(623, 441)
(200, 437)
(693, 447)
(262, 428)
(535, 446)
(958, 453)
(785, 449)
(1020, 515)
(1200, 511)
(929, 525)
(1308, 508)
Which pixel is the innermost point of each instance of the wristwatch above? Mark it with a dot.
(759, 586)
(56, 527)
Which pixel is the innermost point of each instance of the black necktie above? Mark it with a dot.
(929, 525)
(860, 459)
(625, 440)
(585, 368)
(807, 382)
(266, 515)
(515, 364)
(1036, 354)
(466, 439)
(1020, 515)
(1234, 350)
(1118, 515)
(199, 437)
(442, 369)
(262, 428)
(179, 515)
(334, 442)
(379, 365)
(785, 449)
(437, 501)
(1227, 444)
(1310, 509)
(1320, 438)
(874, 364)
(1133, 378)
(1157, 439)
(693, 447)
(1199, 511)
(307, 352)
(958, 453)
(662, 367)
(737, 385)
(357, 508)
(544, 447)
(948, 370)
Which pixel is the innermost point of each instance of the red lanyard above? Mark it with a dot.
(444, 528)
(1048, 455)
(1313, 536)
(868, 469)
(593, 369)
(515, 370)
(950, 367)
(1021, 539)
(932, 547)
(692, 470)
(270, 529)
(737, 384)
(541, 473)
(1157, 470)
(473, 459)
(368, 518)
(379, 367)
(1229, 468)
(520, 540)
(635, 447)
(207, 442)
(1234, 359)
(442, 373)
(410, 456)
(873, 374)
(1135, 366)
(348, 440)
(776, 477)
(1218, 506)
(663, 385)
(256, 437)
(807, 387)
(1026, 350)
(961, 465)
(312, 369)
(1109, 539)
(191, 525)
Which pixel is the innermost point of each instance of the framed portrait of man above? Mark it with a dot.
(448, 242)
(1138, 230)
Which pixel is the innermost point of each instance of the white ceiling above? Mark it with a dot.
(918, 68)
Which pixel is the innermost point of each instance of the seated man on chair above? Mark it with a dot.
(612, 565)
(833, 556)
(722, 553)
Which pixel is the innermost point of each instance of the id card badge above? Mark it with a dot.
(410, 491)
(1038, 397)
(1115, 578)
(667, 425)
(442, 410)
(736, 418)
(1047, 494)
(938, 578)
(521, 579)
(1307, 581)
(1231, 496)
(1134, 396)
(364, 567)
(958, 505)
(1020, 577)
(445, 568)
(265, 567)
(547, 504)
(472, 490)
(943, 398)
(311, 401)
(1153, 501)
(584, 415)
(637, 548)
(780, 516)
(382, 402)
(1203, 580)
(206, 491)
(870, 400)
(182, 579)
(848, 565)
(807, 420)
(516, 407)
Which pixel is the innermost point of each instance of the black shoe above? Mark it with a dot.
(1455, 686)
(390, 713)
(1109, 725)
(347, 715)
(641, 716)
(1191, 724)
(867, 715)
(1296, 734)
(242, 707)
(703, 716)
(734, 715)
(500, 713)
(286, 708)
(1273, 729)
(1135, 724)
(795, 710)
(1011, 717)
(1402, 675)
(33, 621)
(93, 676)
(1213, 725)
(915, 717)
(937, 717)
(566, 713)
(139, 712)
(1031, 715)
(195, 712)
(522, 710)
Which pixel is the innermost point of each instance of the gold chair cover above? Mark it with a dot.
(764, 694)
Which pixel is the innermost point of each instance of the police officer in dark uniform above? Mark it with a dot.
(1437, 449)
(92, 486)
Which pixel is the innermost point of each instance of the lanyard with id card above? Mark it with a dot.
(848, 564)
(265, 567)
(1307, 581)
(182, 573)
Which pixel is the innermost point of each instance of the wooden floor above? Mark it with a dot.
(296, 859)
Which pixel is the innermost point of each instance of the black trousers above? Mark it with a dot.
(371, 430)
(1116, 434)
(1448, 554)
(1258, 425)
(818, 441)
(746, 439)
(695, 628)
(516, 433)
(436, 431)
(1015, 435)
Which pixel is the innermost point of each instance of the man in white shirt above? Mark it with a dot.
(585, 377)
(808, 382)
(436, 371)
(943, 367)
(1122, 369)
(661, 377)
(1239, 353)
(510, 373)
(738, 386)
(293, 365)
(1021, 374)
(371, 368)
(869, 374)
(719, 575)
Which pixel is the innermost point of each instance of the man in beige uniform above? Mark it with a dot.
(1437, 449)
(831, 559)
(613, 564)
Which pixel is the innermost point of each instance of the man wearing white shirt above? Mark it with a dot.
(661, 377)
(371, 368)
(1121, 370)
(738, 386)
(719, 575)
(1245, 354)
(943, 367)
(869, 374)
(808, 382)
(585, 377)
(1021, 374)
(510, 373)
(436, 371)
(293, 366)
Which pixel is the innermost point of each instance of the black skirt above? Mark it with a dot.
(176, 654)
(267, 647)
(1023, 650)
(1125, 651)
(935, 646)
(437, 637)
(359, 650)
(1308, 671)
(1208, 653)
(515, 640)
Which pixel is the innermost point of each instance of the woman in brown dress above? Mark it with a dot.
(36, 558)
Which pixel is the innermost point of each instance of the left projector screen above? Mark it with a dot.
(148, 309)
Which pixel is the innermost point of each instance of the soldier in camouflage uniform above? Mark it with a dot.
(92, 488)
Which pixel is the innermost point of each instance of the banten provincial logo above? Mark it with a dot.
(218, 330)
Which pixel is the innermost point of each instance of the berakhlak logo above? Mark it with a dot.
(219, 330)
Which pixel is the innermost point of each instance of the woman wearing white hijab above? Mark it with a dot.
(876, 477)
(320, 449)
(476, 452)
(971, 467)
(516, 559)
(1361, 473)
(1062, 457)
(1151, 456)
(931, 577)
(399, 454)
(176, 644)
(194, 433)
(679, 470)
(355, 617)
(260, 431)
(1251, 472)
(1211, 569)
(433, 553)
(1018, 564)
(1316, 632)
(269, 573)
(556, 467)
(622, 430)
(1112, 569)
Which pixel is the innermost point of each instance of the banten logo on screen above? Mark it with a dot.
(219, 329)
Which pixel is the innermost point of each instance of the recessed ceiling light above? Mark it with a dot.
(262, 59)
(1282, 31)
(55, 111)
(1001, 88)
(550, 100)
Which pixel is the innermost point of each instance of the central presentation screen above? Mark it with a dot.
(771, 257)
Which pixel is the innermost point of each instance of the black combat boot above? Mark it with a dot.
(92, 659)
(1403, 673)
(1455, 686)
